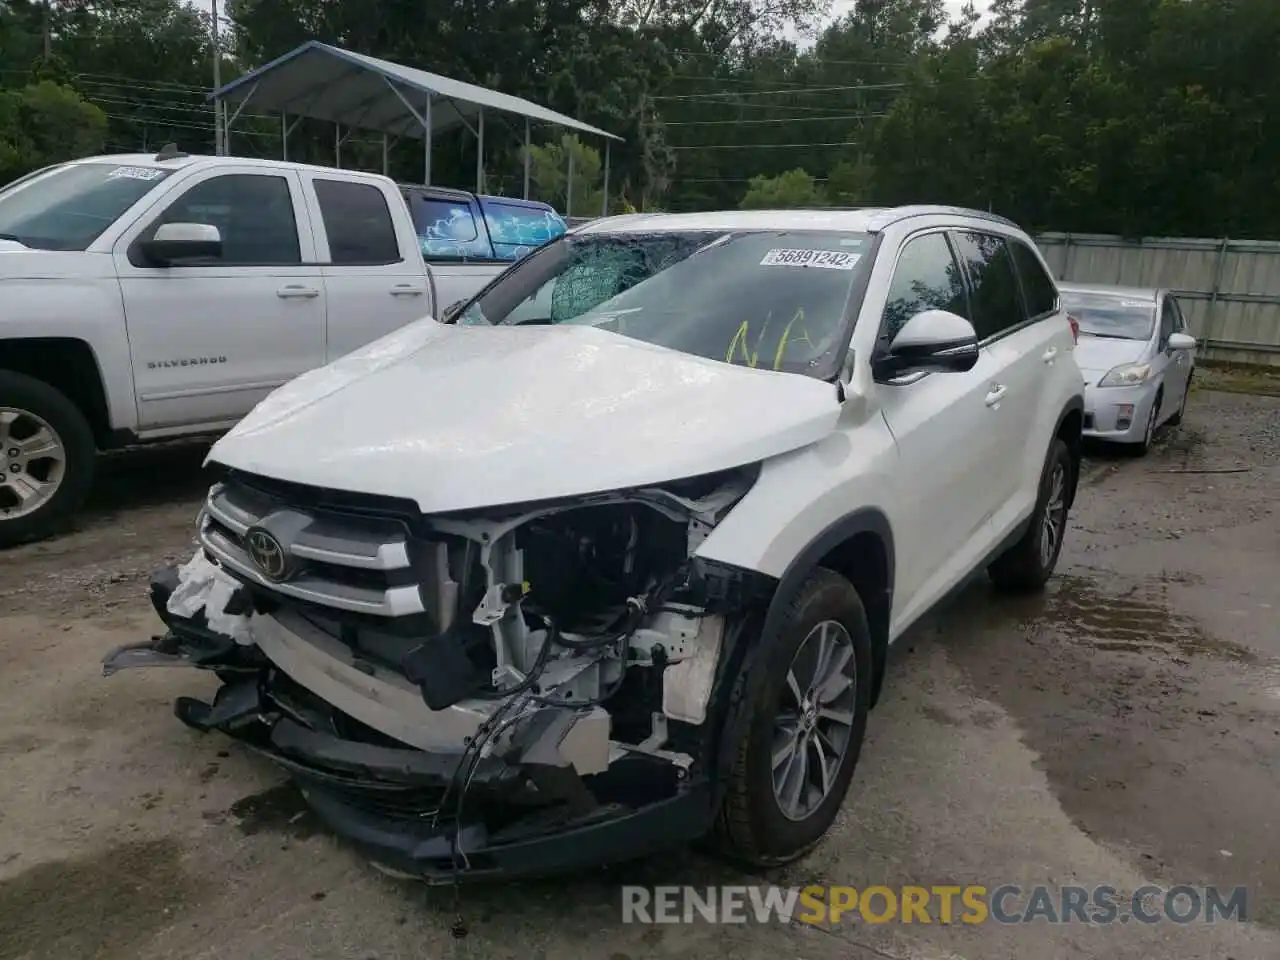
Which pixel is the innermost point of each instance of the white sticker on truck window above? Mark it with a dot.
(135, 173)
(823, 259)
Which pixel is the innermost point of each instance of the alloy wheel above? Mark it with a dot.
(1055, 515)
(33, 462)
(814, 723)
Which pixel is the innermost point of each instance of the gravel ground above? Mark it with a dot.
(1124, 728)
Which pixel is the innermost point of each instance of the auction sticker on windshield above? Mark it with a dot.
(135, 173)
(824, 259)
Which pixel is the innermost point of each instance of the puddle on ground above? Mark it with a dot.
(1136, 621)
(281, 809)
(104, 905)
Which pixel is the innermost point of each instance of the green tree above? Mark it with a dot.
(46, 123)
(795, 188)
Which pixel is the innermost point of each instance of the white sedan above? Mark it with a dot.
(1136, 357)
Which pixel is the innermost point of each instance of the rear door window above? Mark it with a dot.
(358, 223)
(1038, 288)
(995, 298)
(447, 229)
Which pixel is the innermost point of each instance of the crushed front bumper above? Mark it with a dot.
(442, 816)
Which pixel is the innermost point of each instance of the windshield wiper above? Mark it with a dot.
(11, 236)
(1106, 336)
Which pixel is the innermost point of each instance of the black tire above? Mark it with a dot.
(752, 829)
(1024, 567)
(1176, 419)
(20, 392)
(1143, 446)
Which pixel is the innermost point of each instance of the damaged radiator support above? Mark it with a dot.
(559, 661)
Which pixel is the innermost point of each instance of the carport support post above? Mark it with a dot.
(426, 144)
(337, 145)
(480, 150)
(526, 158)
(604, 206)
(384, 154)
(568, 184)
(284, 136)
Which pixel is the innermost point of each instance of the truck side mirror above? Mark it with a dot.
(179, 242)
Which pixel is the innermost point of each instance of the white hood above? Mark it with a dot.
(1096, 355)
(18, 262)
(462, 417)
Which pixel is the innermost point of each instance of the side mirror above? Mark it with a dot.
(1181, 341)
(178, 242)
(935, 341)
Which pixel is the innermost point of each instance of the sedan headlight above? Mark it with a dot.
(1126, 375)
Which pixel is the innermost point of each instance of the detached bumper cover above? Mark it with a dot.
(440, 816)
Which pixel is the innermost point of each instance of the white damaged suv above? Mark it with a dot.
(612, 559)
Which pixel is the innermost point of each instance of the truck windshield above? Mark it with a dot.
(776, 300)
(1111, 317)
(69, 207)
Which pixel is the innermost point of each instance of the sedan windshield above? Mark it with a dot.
(69, 207)
(1114, 317)
(774, 300)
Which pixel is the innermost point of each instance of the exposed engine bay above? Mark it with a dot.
(450, 685)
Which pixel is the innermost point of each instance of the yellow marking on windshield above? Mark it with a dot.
(786, 339)
(739, 343)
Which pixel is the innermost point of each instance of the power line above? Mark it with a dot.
(716, 123)
(793, 90)
(763, 146)
(794, 60)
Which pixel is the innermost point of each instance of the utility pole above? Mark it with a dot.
(217, 84)
(48, 38)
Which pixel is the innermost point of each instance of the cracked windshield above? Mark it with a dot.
(771, 300)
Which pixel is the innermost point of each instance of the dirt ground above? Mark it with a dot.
(1122, 729)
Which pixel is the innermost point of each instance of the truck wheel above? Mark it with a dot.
(793, 768)
(1029, 563)
(46, 458)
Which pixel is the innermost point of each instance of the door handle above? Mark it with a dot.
(296, 291)
(405, 290)
(1049, 355)
(998, 390)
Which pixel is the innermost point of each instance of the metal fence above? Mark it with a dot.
(1229, 289)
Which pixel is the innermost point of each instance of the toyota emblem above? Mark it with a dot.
(268, 554)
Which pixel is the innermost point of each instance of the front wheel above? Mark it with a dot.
(1176, 419)
(46, 458)
(1029, 563)
(793, 768)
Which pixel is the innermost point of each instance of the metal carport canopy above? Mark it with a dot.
(355, 91)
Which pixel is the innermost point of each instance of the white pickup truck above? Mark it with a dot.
(148, 297)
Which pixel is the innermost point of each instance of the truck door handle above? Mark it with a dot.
(998, 390)
(1049, 355)
(295, 291)
(406, 290)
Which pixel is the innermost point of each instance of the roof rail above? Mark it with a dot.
(926, 210)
